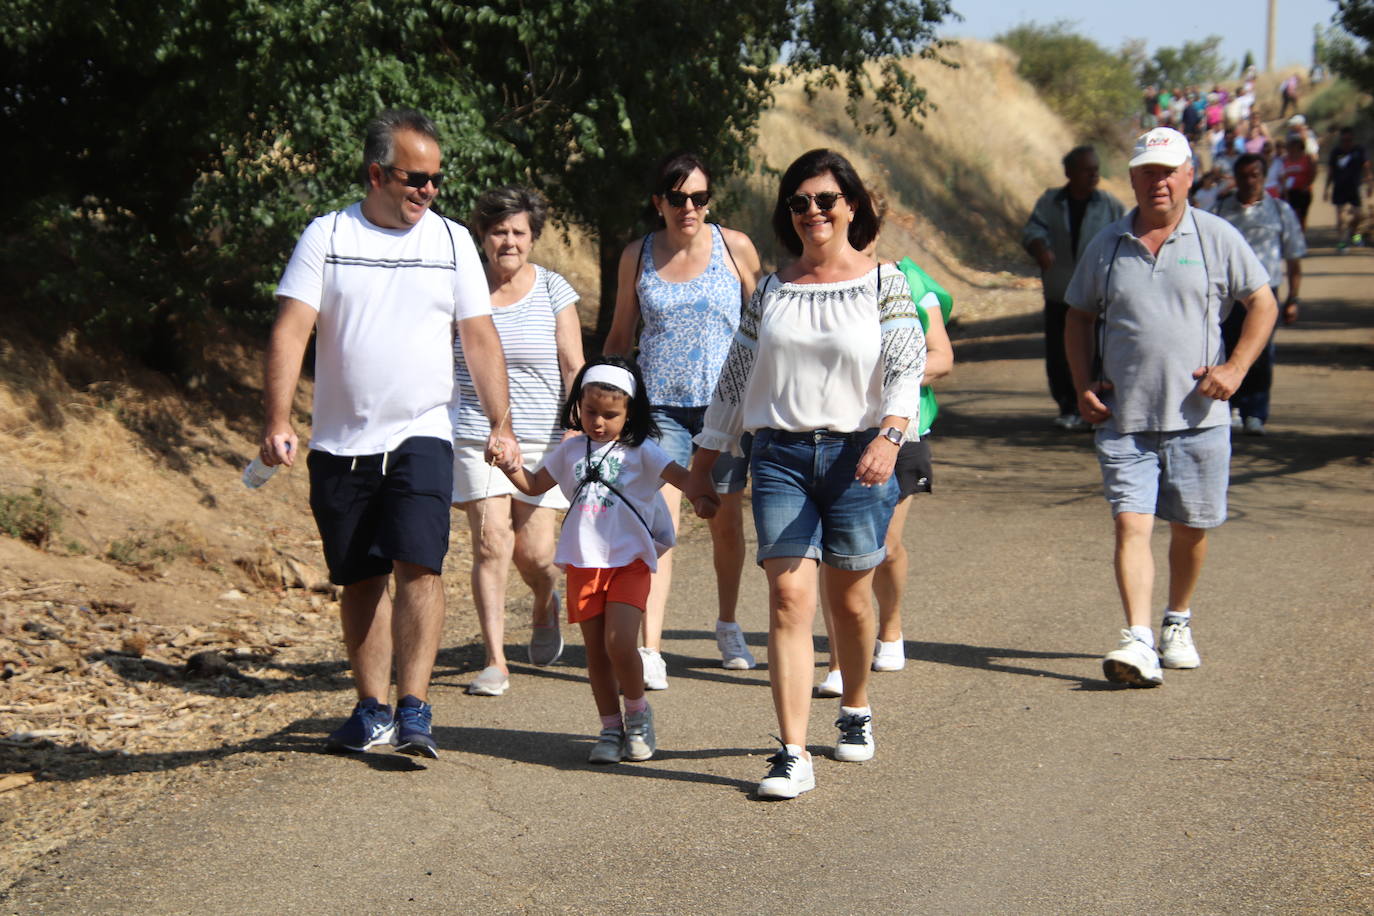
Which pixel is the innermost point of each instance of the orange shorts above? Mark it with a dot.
(590, 589)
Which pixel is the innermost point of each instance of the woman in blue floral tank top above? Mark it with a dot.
(686, 281)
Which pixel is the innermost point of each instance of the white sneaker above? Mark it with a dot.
(1254, 426)
(789, 774)
(856, 736)
(890, 656)
(734, 654)
(832, 686)
(1176, 649)
(1236, 422)
(655, 670)
(1132, 662)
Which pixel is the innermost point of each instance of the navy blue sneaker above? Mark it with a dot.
(412, 728)
(370, 725)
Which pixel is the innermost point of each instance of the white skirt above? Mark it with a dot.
(474, 479)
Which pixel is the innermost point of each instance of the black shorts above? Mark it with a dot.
(1300, 200)
(1345, 195)
(913, 470)
(374, 509)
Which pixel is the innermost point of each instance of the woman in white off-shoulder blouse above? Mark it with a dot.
(825, 371)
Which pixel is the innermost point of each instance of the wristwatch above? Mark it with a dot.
(894, 435)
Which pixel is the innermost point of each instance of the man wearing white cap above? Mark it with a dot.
(1160, 279)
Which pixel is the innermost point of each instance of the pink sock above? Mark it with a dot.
(634, 706)
(612, 721)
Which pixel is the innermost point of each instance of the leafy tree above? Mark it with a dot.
(171, 150)
(1350, 51)
(1087, 85)
(1194, 63)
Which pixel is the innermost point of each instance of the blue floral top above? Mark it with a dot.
(688, 327)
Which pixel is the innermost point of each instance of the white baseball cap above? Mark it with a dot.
(1297, 121)
(1161, 146)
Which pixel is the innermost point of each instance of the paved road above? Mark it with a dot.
(1009, 778)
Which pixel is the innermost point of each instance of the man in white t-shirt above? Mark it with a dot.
(385, 283)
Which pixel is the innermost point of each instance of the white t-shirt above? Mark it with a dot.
(601, 531)
(529, 338)
(388, 299)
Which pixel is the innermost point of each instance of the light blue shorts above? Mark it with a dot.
(1179, 476)
(808, 504)
(677, 426)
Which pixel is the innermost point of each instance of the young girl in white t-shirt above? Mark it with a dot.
(614, 532)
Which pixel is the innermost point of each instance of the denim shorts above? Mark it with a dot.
(808, 504)
(1179, 476)
(677, 426)
(373, 509)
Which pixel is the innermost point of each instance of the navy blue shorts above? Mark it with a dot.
(374, 509)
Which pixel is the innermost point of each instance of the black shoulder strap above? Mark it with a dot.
(726, 245)
(594, 474)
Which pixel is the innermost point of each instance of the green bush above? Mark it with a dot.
(33, 517)
(1084, 83)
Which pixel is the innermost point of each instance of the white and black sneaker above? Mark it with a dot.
(856, 735)
(1176, 647)
(789, 774)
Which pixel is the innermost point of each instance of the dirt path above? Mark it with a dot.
(1009, 776)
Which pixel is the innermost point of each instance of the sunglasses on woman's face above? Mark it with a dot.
(825, 201)
(679, 198)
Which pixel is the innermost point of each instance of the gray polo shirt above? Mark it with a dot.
(1161, 316)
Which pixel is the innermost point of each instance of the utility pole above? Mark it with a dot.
(1272, 36)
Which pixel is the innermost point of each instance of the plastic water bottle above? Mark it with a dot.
(257, 473)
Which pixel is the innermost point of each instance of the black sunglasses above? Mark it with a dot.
(416, 179)
(825, 201)
(679, 198)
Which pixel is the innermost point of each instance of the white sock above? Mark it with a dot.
(1185, 614)
(856, 711)
(796, 750)
(1145, 635)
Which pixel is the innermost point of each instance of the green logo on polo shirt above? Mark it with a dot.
(1190, 262)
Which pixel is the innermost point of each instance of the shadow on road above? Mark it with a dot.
(989, 658)
(563, 751)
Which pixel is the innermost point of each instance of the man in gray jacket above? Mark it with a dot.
(1061, 225)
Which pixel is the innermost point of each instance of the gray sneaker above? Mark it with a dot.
(546, 641)
(491, 682)
(609, 747)
(640, 743)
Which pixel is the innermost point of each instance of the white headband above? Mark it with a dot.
(614, 376)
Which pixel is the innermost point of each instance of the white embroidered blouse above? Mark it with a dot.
(808, 356)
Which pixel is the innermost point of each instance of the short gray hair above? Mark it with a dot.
(501, 203)
(379, 143)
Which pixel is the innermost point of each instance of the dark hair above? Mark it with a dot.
(1073, 155)
(673, 170)
(499, 204)
(863, 229)
(1246, 159)
(639, 418)
(379, 142)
